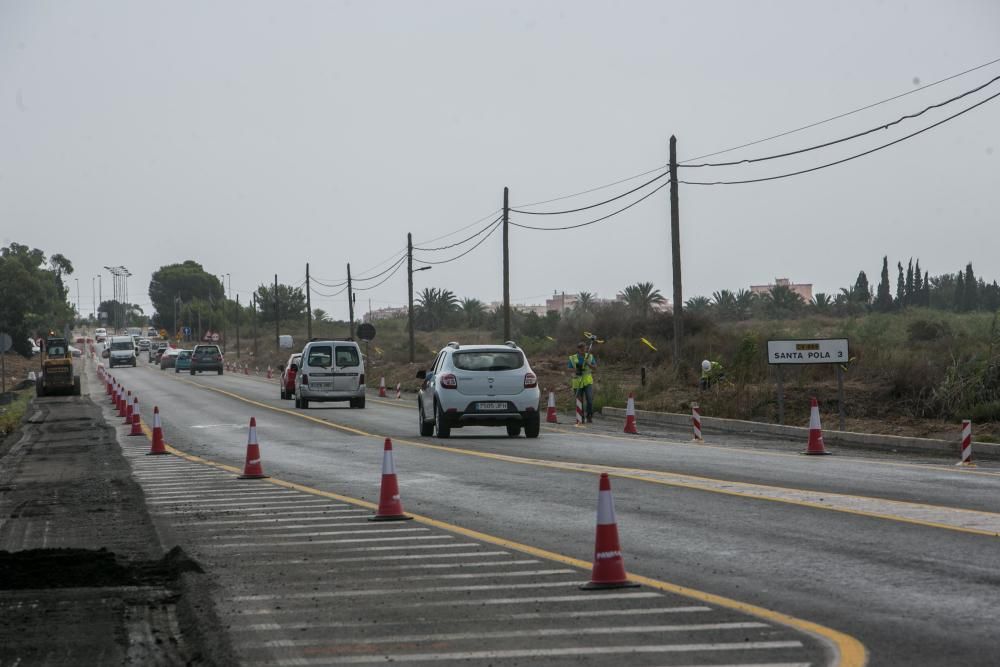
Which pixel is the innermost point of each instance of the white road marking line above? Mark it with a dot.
(512, 634)
(369, 529)
(438, 566)
(538, 599)
(250, 545)
(539, 653)
(453, 545)
(264, 627)
(369, 592)
(478, 575)
(243, 522)
(236, 496)
(216, 483)
(239, 508)
(209, 492)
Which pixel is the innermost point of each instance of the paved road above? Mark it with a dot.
(900, 554)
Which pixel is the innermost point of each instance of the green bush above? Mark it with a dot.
(923, 330)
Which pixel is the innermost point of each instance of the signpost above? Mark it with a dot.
(366, 332)
(809, 351)
(5, 344)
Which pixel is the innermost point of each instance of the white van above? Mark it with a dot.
(122, 351)
(330, 370)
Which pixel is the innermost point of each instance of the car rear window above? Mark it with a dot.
(122, 346)
(184, 353)
(488, 360)
(320, 355)
(348, 356)
(202, 350)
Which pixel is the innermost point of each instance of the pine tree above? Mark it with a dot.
(883, 299)
(908, 300)
(862, 291)
(900, 287)
(958, 302)
(970, 300)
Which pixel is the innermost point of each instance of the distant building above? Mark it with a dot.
(804, 290)
(385, 314)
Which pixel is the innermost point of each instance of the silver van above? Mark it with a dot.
(330, 370)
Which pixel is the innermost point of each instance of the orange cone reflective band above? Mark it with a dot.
(630, 415)
(390, 507)
(696, 422)
(550, 412)
(609, 566)
(136, 425)
(966, 459)
(157, 447)
(252, 469)
(815, 431)
(381, 387)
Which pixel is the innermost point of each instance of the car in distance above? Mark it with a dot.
(479, 385)
(288, 373)
(183, 361)
(156, 350)
(121, 352)
(169, 358)
(100, 334)
(144, 344)
(330, 370)
(206, 358)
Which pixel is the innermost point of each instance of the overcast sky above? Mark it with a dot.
(254, 137)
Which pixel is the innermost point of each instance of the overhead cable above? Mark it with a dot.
(592, 222)
(399, 265)
(465, 240)
(330, 296)
(461, 229)
(327, 284)
(595, 189)
(842, 115)
(846, 159)
(379, 275)
(496, 226)
(602, 203)
(843, 139)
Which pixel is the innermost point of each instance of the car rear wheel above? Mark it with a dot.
(513, 430)
(358, 402)
(426, 427)
(441, 426)
(220, 371)
(532, 427)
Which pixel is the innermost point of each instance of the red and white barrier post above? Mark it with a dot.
(696, 422)
(966, 444)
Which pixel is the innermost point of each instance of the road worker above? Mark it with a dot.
(582, 364)
(711, 372)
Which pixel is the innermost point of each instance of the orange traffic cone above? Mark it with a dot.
(136, 425)
(630, 415)
(269, 376)
(815, 431)
(390, 507)
(246, 370)
(381, 387)
(157, 447)
(609, 567)
(550, 411)
(252, 469)
(116, 397)
(127, 408)
(114, 392)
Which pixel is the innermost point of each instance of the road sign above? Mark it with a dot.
(5, 342)
(809, 351)
(215, 338)
(163, 333)
(366, 331)
(186, 331)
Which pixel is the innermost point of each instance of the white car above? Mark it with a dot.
(330, 370)
(479, 385)
(122, 351)
(100, 334)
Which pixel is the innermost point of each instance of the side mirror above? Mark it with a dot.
(421, 375)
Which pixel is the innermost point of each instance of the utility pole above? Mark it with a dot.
(409, 285)
(93, 297)
(350, 302)
(506, 265)
(255, 325)
(675, 251)
(177, 298)
(309, 316)
(100, 295)
(277, 316)
(237, 327)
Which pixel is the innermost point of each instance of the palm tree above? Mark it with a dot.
(473, 310)
(321, 315)
(724, 303)
(641, 297)
(698, 304)
(584, 302)
(434, 307)
(780, 302)
(745, 300)
(822, 303)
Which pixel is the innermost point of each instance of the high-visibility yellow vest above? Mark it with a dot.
(584, 376)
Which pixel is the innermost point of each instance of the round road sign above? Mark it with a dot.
(215, 338)
(366, 331)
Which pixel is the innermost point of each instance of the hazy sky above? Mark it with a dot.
(254, 137)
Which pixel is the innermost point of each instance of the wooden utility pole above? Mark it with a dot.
(238, 309)
(309, 316)
(675, 252)
(277, 316)
(506, 265)
(409, 285)
(350, 303)
(255, 325)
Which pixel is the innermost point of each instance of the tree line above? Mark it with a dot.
(33, 297)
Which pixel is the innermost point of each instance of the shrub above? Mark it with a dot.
(924, 330)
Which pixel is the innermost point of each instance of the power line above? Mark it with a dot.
(496, 226)
(465, 240)
(595, 189)
(592, 222)
(842, 115)
(846, 159)
(584, 208)
(330, 296)
(399, 265)
(378, 275)
(461, 229)
(843, 139)
(319, 281)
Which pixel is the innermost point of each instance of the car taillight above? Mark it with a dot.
(218, 357)
(361, 379)
(305, 379)
(530, 381)
(449, 381)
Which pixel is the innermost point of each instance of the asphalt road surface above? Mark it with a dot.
(749, 553)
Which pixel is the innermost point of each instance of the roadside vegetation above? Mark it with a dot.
(12, 413)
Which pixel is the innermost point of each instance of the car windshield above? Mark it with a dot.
(122, 345)
(488, 360)
(347, 356)
(320, 355)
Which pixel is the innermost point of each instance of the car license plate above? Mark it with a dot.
(492, 406)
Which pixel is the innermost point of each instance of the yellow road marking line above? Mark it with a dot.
(637, 474)
(850, 651)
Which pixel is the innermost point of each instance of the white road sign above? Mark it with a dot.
(810, 351)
